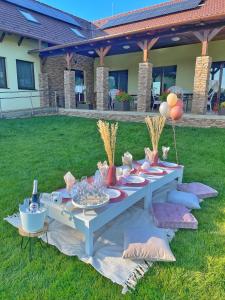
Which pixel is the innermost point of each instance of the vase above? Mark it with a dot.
(111, 176)
(155, 158)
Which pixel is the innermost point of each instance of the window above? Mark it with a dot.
(118, 80)
(163, 78)
(25, 75)
(77, 32)
(28, 16)
(3, 81)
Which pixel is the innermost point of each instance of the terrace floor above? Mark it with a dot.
(46, 148)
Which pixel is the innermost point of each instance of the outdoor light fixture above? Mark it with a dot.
(126, 47)
(91, 52)
(176, 39)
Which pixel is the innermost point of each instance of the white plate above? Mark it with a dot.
(155, 170)
(168, 164)
(134, 179)
(113, 193)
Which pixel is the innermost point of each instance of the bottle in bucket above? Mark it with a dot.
(35, 198)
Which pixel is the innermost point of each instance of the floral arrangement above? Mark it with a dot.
(123, 97)
(108, 134)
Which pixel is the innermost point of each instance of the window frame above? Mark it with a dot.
(33, 76)
(5, 74)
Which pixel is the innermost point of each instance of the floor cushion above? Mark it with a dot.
(170, 215)
(151, 244)
(201, 190)
(187, 199)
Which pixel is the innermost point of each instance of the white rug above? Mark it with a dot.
(108, 248)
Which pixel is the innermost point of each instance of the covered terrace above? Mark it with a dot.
(143, 41)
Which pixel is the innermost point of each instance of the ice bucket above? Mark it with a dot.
(32, 222)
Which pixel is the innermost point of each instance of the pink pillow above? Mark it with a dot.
(150, 244)
(201, 190)
(170, 215)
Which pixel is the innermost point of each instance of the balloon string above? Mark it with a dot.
(174, 139)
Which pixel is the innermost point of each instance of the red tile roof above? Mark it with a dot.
(210, 10)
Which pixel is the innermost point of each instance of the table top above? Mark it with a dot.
(133, 193)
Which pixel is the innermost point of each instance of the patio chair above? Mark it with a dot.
(213, 90)
(112, 95)
(156, 101)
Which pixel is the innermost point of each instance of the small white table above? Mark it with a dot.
(93, 220)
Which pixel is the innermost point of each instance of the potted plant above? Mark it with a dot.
(163, 96)
(222, 108)
(122, 101)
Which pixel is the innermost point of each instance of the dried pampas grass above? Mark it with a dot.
(155, 127)
(108, 134)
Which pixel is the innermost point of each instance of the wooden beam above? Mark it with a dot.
(214, 32)
(205, 37)
(102, 52)
(146, 46)
(68, 58)
(20, 41)
(2, 37)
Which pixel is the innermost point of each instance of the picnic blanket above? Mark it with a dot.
(109, 243)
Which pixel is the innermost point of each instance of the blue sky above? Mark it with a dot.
(96, 9)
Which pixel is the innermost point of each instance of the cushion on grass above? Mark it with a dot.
(151, 244)
(201, 190)
(187, 199)
(170, 215)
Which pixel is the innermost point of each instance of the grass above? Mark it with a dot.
(46, 148)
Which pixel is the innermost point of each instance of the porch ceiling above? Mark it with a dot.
(184, 35)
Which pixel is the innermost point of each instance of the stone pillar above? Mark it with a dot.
(102, 87)
(69, 89)
(44, 90)
(201, 84)
(144, 87)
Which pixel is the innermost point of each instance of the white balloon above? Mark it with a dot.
(164, 109)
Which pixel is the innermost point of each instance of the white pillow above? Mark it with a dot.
(187, 199)
(150, 244)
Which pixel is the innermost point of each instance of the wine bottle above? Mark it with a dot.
(35, 198)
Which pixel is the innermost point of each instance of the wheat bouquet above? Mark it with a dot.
(108, 134)
(155, 127)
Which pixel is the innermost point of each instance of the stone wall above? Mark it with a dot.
(55, 67)
(201, 84)
(69, 83)
(189, 120)
(44, 90)
(102, 87)
(144, 86)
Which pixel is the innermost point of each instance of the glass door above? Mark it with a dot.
(218, 74)
(80, 88)
(163, 78)
(118, 80)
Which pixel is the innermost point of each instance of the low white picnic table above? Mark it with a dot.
(94, 220)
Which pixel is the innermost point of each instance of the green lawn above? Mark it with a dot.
(46, 148)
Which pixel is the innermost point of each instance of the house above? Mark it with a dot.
(27, 25)
(179, 43)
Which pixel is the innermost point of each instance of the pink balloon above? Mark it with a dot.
(180, 103)
(176, 113)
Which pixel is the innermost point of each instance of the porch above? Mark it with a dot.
(143, 64)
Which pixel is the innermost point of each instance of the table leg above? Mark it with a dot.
(89, 242)
(180, 177)
(148, 198)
